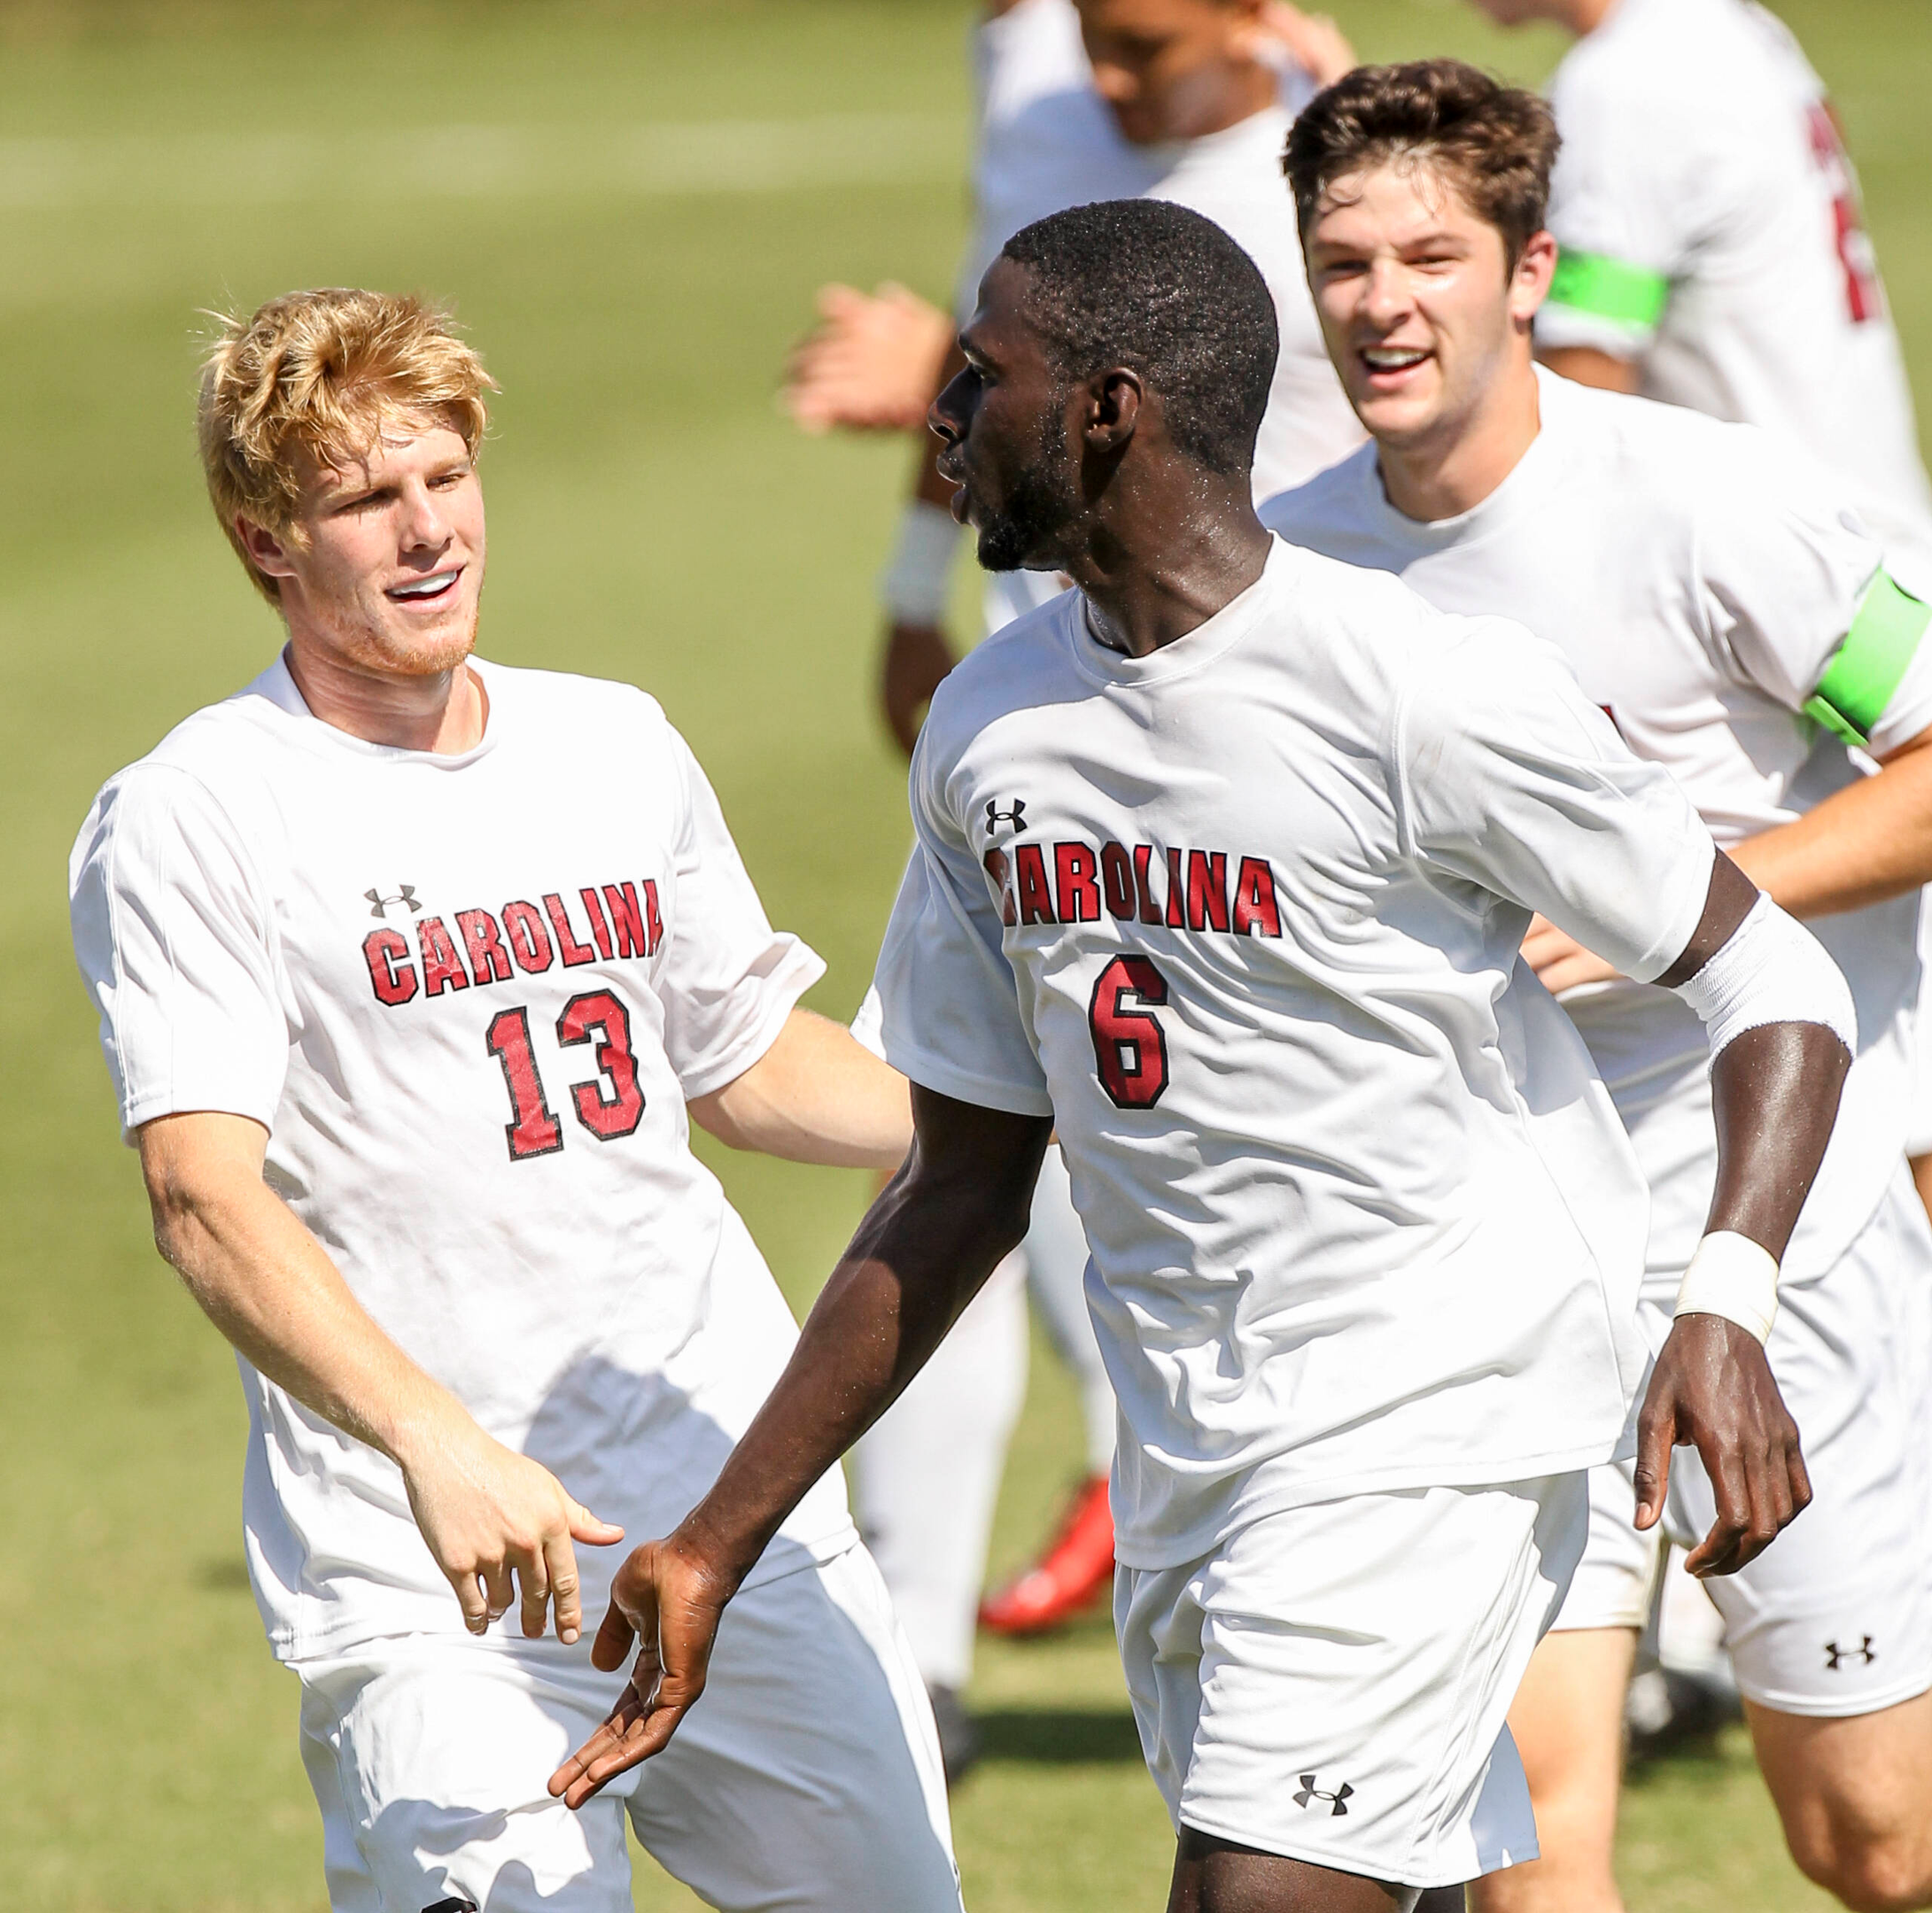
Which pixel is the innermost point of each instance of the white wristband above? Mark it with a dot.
(912, 587)
(1732, 1276)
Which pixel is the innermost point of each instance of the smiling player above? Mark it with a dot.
(1223, 861)
(412, 970)
(1740, 626)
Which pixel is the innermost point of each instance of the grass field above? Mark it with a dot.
(629, 205)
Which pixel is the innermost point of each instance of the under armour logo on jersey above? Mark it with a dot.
(379, 903)
(1836, 1656)
(1310, 1793)
(996, 816)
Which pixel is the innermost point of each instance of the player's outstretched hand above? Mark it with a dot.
(500, 1525)
(670, 1604)
(870, 364)
(1560, 962)
(1712, 1386)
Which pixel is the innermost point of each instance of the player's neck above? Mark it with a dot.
(1163, 570)
(444, 713)
(1453, 471)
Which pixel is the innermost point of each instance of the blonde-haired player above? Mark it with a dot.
(412, 970)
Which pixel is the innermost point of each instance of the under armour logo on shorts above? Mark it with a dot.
(1836, 1656)
(405, 894)
(1310, 1792)
(995, 816)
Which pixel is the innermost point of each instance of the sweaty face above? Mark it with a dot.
(387, 571)
(1419, 308)
(1004, 421)
(1174, 69)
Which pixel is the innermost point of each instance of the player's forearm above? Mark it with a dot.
(815, 1096)
(923, 1251)
(1774, 1091)
(270, 1287)
(1867, 842)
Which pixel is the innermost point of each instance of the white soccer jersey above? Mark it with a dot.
(1242, 917)
(1047, 141)
(1709, 224)
(1708, 588)
(468, 996)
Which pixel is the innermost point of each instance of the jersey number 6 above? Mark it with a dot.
(609, 1106)
(1128, 1042)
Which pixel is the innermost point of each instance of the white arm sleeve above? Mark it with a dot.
(175, 937)
(727, 979)
(1510, 778)
(1770, 969)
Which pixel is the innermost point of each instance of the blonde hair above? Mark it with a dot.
(322, 372)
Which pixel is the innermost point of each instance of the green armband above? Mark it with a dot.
(1858, 682)
(1607, 288)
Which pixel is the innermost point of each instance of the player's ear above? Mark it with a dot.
(265, 552)
(1529, 284)
(1114, 407)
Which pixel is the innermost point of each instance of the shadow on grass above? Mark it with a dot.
(1064, 1736)
(225, 1576)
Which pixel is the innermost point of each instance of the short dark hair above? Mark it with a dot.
(1494, 143)
(1161, 289)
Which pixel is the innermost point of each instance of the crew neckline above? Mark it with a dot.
(277, 684)
(1213, 638)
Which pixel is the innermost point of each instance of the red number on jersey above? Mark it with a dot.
(1864, 296)
(535, 1131)
(1127, 1043)
(618, 1113)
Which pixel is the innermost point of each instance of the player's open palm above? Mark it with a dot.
(502, 1527)
(670, 1604)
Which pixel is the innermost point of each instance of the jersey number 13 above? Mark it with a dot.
(609, 1106)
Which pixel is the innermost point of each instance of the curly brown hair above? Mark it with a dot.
(1494, 143)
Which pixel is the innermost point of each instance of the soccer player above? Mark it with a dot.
(1223, 861)
(1182, 100)
(412, 971)
(1712, 250)
(1739, 624)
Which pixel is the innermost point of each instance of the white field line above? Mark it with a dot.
(648, 160)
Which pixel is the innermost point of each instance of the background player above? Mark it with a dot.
(1184, 100)
(1714, 255)
(1365, 1229)
(1737, 622)
(411, 971)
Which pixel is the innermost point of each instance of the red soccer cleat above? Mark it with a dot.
(1073, 1574)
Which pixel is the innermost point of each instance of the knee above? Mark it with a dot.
(1881, 1876)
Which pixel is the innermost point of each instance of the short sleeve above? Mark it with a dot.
(727, 979)
(1621, 212)
(1510, 778)
(175, 940)
(1797, 601)
(951, 1018)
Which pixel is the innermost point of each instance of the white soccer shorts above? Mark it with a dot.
(1332, 1683)
(1835, 1618)
(807, 1777)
